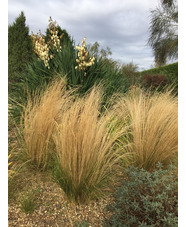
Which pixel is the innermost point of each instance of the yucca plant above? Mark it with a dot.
(41, 71)
(154, 126)
(87, 155)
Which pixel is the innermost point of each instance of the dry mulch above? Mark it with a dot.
(52, 208)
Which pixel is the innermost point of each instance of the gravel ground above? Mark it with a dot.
(52, 209)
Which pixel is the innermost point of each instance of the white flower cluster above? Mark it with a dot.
(54, 38)
(83, 61)
(41, 48)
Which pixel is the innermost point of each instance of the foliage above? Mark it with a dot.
(103, 70)
(28, 203)
(40, 118)
(50, 46)
(10, 171)
(37, 75)
(106, 72)
(87, 157)
(163, 32)
(20, 50)
(62, 61)
(43, 45)
(65, 38)
(130, 71)
(170, 71)
(146, 199)
(168, 3)
(155, 81)
(81, 224)
(95, 50)
(154, 126)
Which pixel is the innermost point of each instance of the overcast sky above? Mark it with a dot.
(120, 24)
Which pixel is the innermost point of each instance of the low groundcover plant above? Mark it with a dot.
(146, 199)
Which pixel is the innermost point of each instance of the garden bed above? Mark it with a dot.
(51, 206)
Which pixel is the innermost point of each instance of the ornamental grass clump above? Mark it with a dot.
(87, 156)
(40, 118)
(154, 126)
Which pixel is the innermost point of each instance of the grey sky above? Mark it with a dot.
(120, 24)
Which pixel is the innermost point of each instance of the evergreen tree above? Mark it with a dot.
(20, 50)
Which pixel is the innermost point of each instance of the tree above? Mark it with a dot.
(20, 50)
(96, 52)
(164, 32)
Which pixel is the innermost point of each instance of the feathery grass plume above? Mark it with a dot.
(86, 151)
(40, 118)
(154, 126)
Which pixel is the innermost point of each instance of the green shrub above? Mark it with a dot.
(170, 71)
(146, 199)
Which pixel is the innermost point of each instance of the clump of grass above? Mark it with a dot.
(39, 120)
(87, 156)
(83, 141)
(28, 203)
(154, 126)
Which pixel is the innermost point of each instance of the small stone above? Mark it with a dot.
(58, 206)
